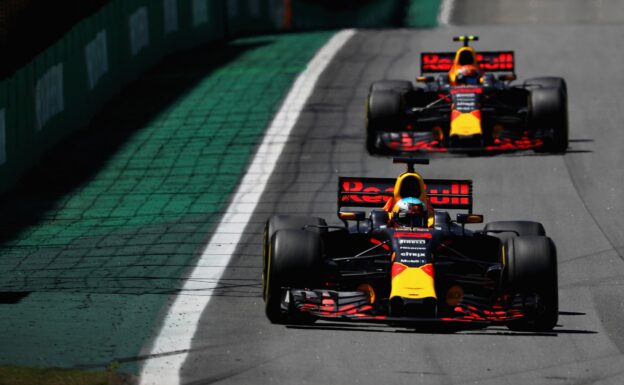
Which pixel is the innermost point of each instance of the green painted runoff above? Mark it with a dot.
(95, 241)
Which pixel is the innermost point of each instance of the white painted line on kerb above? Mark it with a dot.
(171, 345)
(446, 9)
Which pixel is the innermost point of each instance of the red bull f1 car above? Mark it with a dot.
(468, 102)
(379, 268)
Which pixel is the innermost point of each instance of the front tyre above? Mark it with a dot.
(372, 139)
(384, 112)
(294, 260)
(548, 82)
(399, 86)
(549, 115)
(531, 269)
(504, 230)
(282, 222)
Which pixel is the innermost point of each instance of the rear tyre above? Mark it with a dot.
(531, 269)
(549, 115)
(281, 222)
(294, 260)
(514, 229)
(384, 111)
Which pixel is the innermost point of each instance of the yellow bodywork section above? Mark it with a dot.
(413, 282)
(465, 124)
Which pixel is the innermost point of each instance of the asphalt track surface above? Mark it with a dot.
(577, 196)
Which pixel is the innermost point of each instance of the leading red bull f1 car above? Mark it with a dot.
(407, 262)
(468, 102)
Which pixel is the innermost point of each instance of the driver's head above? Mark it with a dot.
(468, 75)
(410, 212)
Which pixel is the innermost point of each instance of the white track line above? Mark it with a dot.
(446, 10)
(174, 340)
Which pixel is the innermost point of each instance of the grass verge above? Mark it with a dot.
(24, 375)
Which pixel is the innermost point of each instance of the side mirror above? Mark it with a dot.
(469, 218)
(352, 215)
(425, 79)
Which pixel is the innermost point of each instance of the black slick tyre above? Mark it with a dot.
(384, 111)
(549, 115)
(548, 82)
(294, 260)
(281, 222)
(531, 269)
(509, 229)
(399, 86)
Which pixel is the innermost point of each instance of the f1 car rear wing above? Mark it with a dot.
(374, 192)
(492, 61)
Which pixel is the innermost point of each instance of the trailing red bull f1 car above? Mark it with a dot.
(468, 102)
(407, 262)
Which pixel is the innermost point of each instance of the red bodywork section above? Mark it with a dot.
(329, 309)
(411, 142)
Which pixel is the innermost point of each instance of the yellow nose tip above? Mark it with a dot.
(465, 124)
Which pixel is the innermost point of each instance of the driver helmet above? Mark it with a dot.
(410, 212)
(468, 75)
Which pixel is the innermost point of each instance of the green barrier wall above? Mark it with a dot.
(253, 16)
(313, 14)
(421, 13)
(63, 87)
(5, 129)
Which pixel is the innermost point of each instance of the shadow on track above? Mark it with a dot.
(127, 285)
(82, 154)
(490, 330)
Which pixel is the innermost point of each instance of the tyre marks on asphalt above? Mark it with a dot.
(328, 142)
